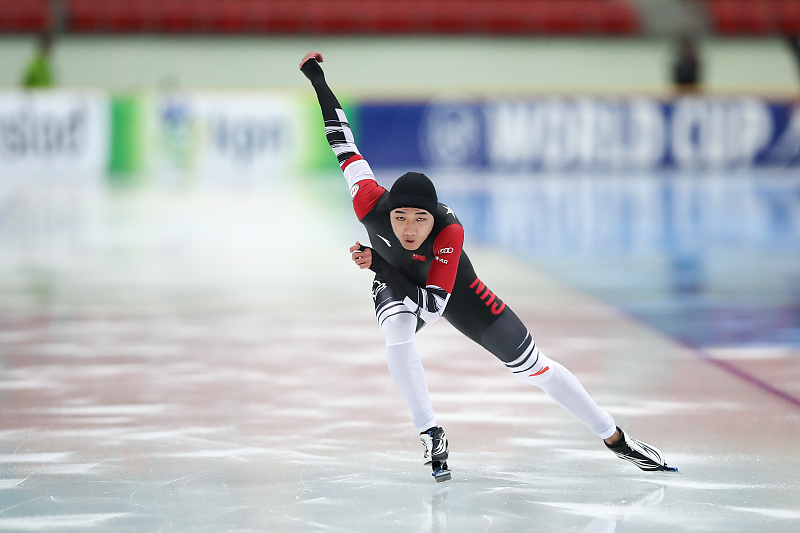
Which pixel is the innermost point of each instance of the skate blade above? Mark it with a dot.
(441, 475)
(666, 468)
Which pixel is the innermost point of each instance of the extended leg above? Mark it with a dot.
(481, 316)
(510, 341)
(563, 387)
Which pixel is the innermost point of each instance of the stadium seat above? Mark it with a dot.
(621, 19)
(25, 15)
(174, 16)
(787, 13)
(80, 19)
(130, 16)
(393, 18)
(755, 17)
(569, 17)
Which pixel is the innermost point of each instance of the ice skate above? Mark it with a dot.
(435, 442)
(642, 455)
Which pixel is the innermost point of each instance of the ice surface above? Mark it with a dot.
(212, 364)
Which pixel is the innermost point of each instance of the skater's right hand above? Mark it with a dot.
(362, 255)
(311, 55)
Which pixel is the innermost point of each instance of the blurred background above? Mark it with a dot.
(646, 151)
(184, 344)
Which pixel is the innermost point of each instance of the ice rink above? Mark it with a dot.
(209, 361)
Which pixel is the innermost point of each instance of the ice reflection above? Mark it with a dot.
(600, 525)
(436, 521)
(679, 251)
(631, 214)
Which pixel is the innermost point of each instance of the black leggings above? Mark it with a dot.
(473, 310)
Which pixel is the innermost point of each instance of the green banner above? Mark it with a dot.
(126, 157)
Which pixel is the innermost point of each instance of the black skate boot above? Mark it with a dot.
(642, 455)
(435, 443)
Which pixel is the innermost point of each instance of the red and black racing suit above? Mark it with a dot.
(437, 278)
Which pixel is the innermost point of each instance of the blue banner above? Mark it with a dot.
(582, 134)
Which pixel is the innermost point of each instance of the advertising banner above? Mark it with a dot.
(224, 138)
(53, 135)
(53, 160)
(588, 134)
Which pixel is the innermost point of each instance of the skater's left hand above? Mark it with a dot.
(362, 255)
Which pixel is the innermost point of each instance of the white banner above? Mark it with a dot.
(53, 135)
(224, 138)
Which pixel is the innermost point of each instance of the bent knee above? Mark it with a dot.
(399, 327)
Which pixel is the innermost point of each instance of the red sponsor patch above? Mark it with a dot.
(540, 372)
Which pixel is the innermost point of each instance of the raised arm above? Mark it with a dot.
(337, 129)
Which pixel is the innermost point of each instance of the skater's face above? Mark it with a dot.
(411, 225)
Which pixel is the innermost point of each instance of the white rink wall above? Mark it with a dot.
(400, 67)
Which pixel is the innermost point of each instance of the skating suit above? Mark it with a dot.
(437, 279)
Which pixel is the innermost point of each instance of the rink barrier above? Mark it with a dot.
(54, 135)
(199, 138)
(127, 146)
(558, 134)
(204, 137)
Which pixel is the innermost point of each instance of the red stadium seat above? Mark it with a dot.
(563, 17)
(332, 18)
(130, 16)
(787, 13)
(510, 17)
(175, 16)
(755, 17)
(394, 17)
(622, 18)
(79, 18)
(25, 15)
(203, 14)
(570, 17)
(230, 17)
(724, 17)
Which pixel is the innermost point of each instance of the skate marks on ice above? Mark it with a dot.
(578, 490)
(715, 494)
(171, 386)
(404, 502)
